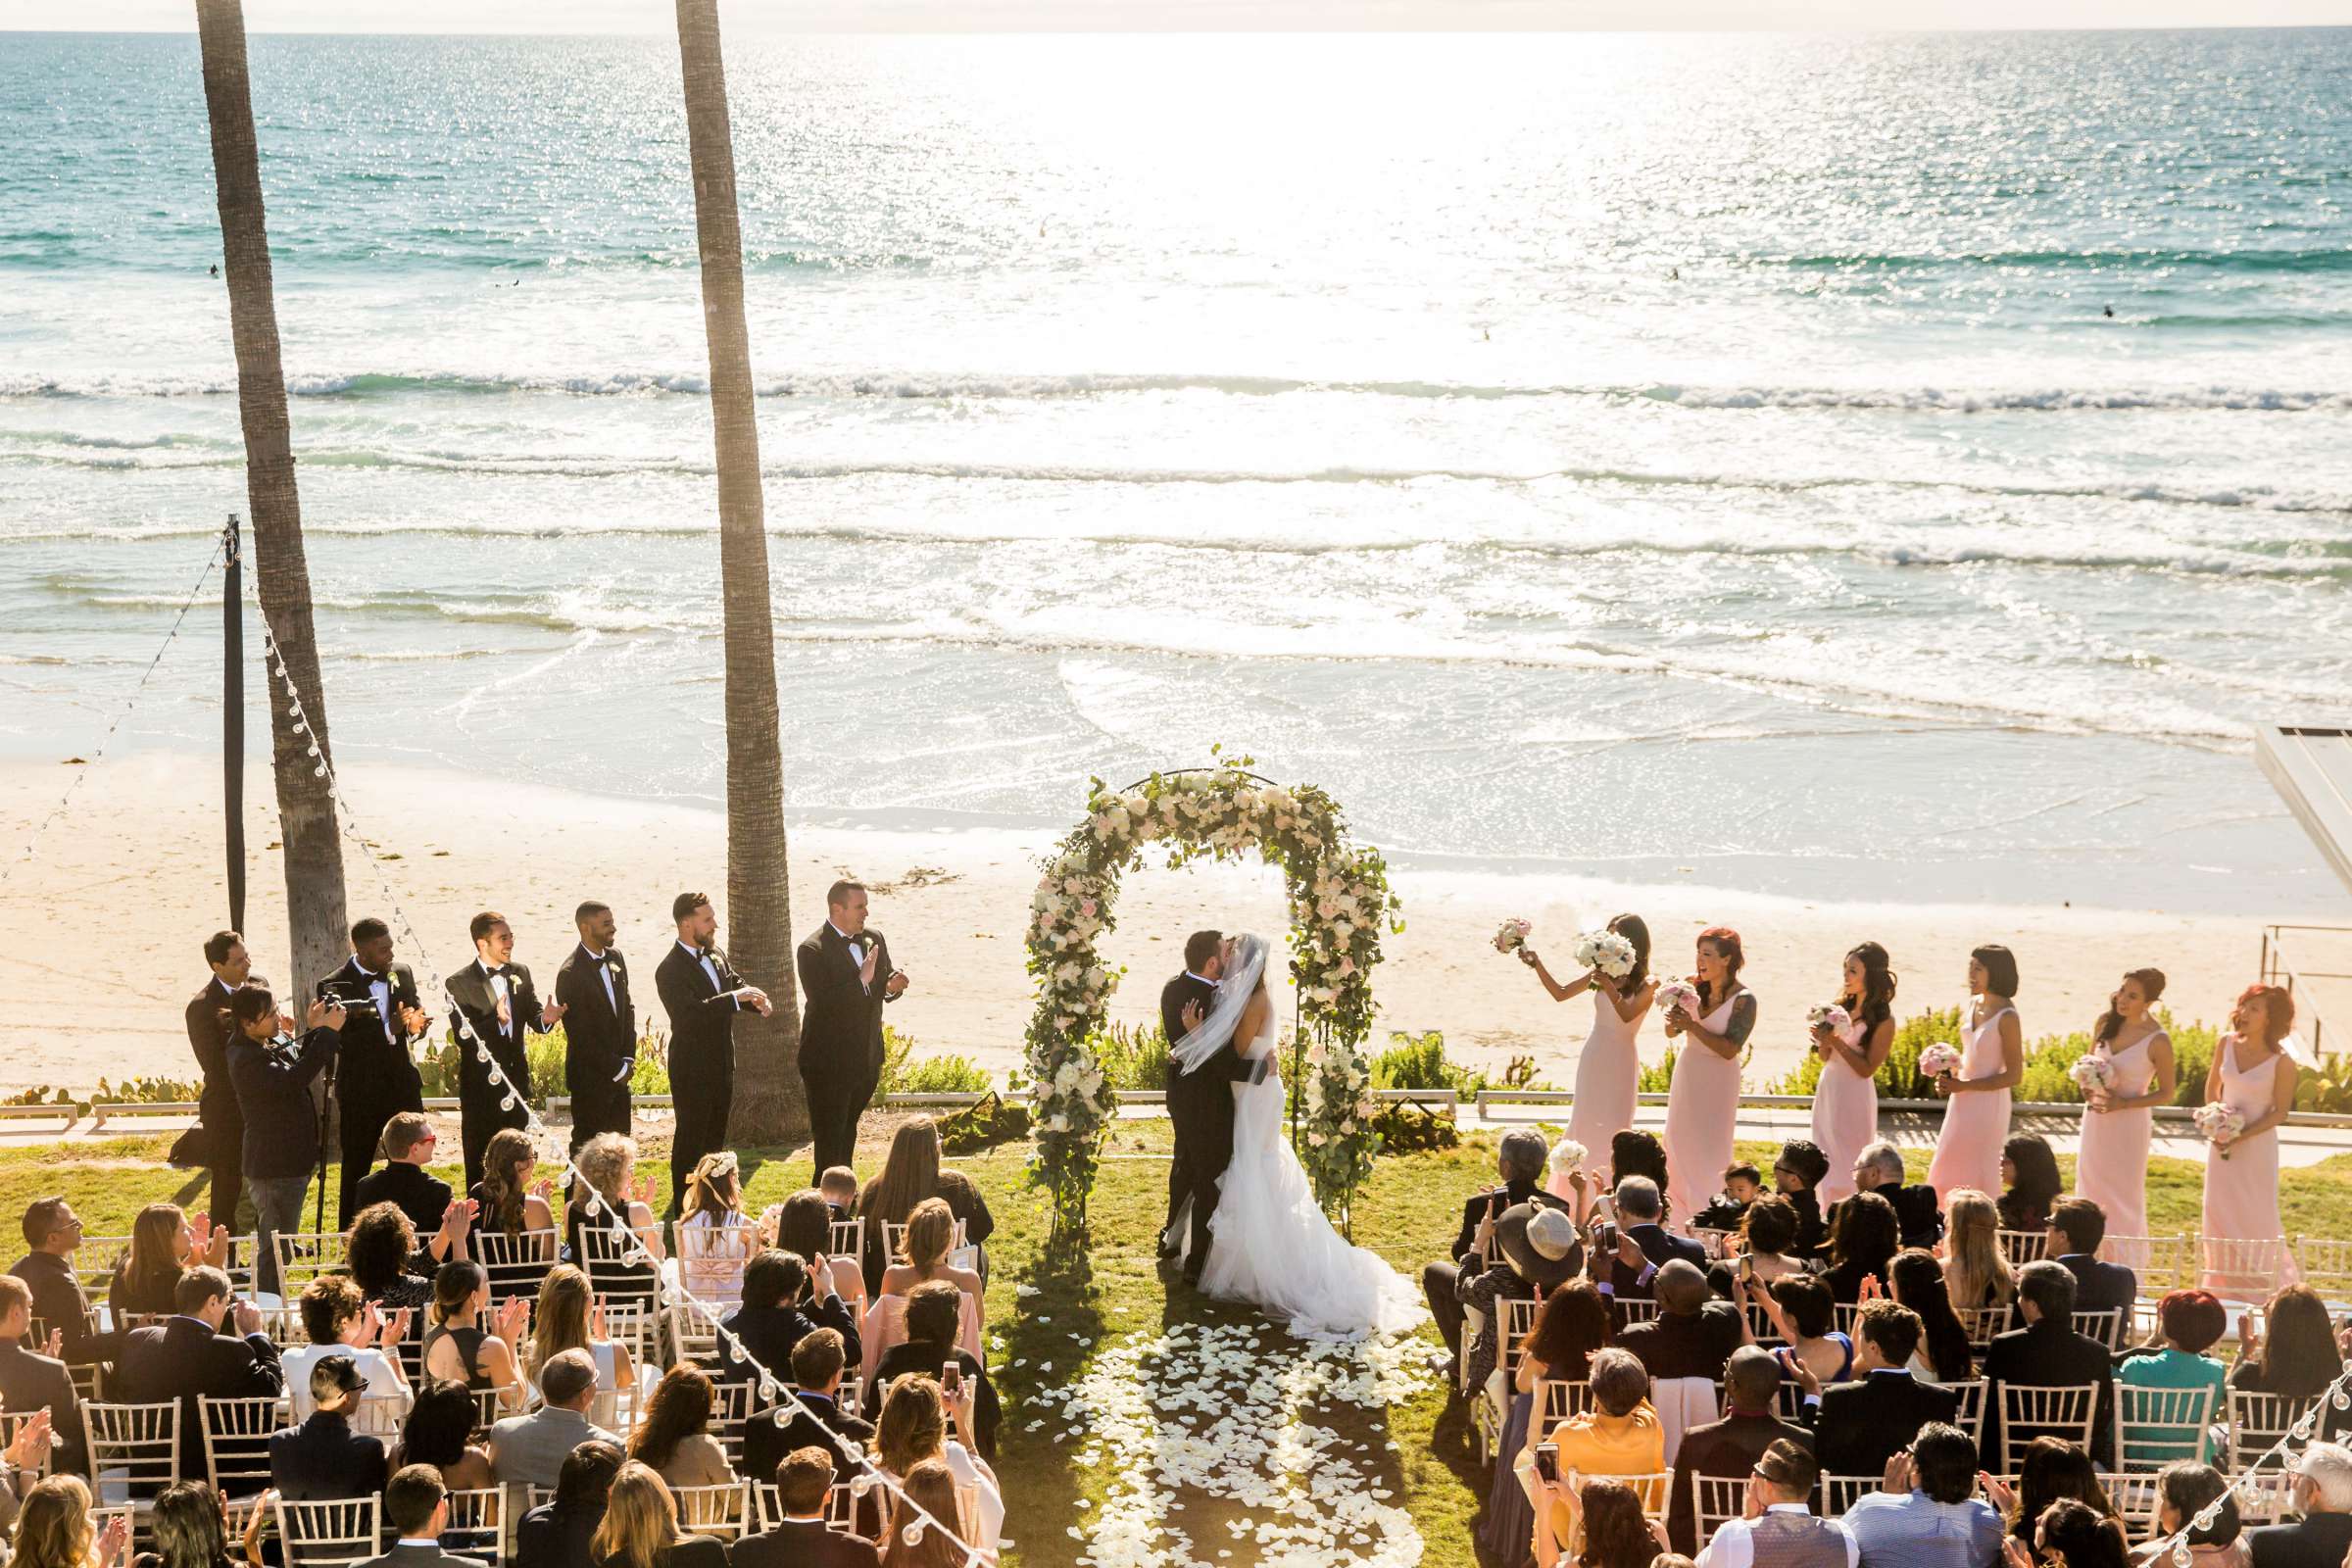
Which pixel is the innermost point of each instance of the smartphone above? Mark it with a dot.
(1497, 1201)
(1548, 1462)
(1748, 1269)
(951, 1379)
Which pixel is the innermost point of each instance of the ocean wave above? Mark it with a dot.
(2316, 260)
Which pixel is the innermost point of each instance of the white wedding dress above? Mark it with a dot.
(1270, 1243)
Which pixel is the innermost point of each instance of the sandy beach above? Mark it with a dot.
(100, 932)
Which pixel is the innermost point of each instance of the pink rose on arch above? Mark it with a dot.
(1087, 908)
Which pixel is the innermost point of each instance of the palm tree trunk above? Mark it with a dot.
(769, 1102)
(305, 805)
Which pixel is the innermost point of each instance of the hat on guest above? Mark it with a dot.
(1541, 1243)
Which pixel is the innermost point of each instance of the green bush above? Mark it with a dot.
(902, 1074)
(2047, 1062)
(1132, 1057)
(1658, 1079)
(1418, 1061)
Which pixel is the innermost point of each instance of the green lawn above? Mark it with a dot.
(1083, 1304)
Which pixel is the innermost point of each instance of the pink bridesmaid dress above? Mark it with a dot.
(2242, 1191)
(1607, 1074)
(1702, 1107)
(2112, 1167)
(1975, 1125)
(1845, 1116)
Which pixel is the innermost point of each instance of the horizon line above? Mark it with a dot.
(1291, 28)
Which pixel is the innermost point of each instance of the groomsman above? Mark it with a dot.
(600, 1036)
(702, 993)
(217, 1105)
(846, 978)
(375, 1076)
(496, 999)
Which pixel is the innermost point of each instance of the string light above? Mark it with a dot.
(675, 1294)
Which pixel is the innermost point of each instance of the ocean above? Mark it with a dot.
(1890, 466)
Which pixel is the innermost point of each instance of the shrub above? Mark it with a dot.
(1132, 1057)
(902, 1074)
(2048, 1063)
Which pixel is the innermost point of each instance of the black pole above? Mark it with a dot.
(232, 717)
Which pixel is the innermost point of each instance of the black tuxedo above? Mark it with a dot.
(841, 1035)
(2047, 1355)
(1201, 1106)
(802, 1543)
(479, 1109)
(701, 1056)
(180, 1359)
(1729, 1448)
(600, 1042)
(375, 1078)
(209, 1030)
(1864, 1422)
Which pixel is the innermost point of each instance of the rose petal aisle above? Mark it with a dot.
(1216, 1431)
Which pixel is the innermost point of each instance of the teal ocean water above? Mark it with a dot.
(1899, 466)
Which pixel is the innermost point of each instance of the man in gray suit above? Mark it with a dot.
(528, 1450)
(37, 1382)
(418, 1504)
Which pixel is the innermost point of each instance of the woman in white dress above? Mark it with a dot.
(1270, 1243)
(1608, 1071)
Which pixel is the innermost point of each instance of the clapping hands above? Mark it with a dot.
(513, 1317)
(207, 1244)
(28, 1450)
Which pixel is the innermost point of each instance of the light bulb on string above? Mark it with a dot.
(912, 1535)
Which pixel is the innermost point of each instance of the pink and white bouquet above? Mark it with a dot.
(1512, 935)
(2093, 1074)
(2221, 1124)
(1828, 1015)
(1939, 1060)
(1679, 993)
(1566, 1155)
(1605, 951)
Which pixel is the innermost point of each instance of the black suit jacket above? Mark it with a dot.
(2103, 1287)
(2047, 1355)
(548, 1537)
(2316, 1541)
(33, 1381)
(57, 1302)
(841, 1019)
(180, 1360)
(766, 1442)
(376, 1072)
(273, 1096)
(701, 1016)
(324, 1459)
(598, 1035)
(768, 1333)
(1916, 1212)
(1729, 1448)
(1695, 1347)
(1863, 1423)
(802, 1543)
(1204, 1084)
(1474, 1210)
(209, 1031)
(1661, 1247)
(470, 989)
(412, 1189)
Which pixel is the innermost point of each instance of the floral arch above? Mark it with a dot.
(1340, 902)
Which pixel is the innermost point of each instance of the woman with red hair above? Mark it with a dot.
(2253, 1074)
(1702, 1103)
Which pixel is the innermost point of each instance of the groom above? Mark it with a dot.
(1200, 1101)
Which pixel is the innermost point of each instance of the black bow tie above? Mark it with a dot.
(494, 971)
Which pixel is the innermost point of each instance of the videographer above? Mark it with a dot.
(272, 1072)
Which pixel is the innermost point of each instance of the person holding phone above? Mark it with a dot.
(1519, 1165)
(272, 1069)
(933, 1312)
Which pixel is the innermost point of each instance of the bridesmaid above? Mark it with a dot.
(2112, 1167)
(2252, 1071)
(1703, 1103)
(1992, 1058)
(1845, 1105)
(1607, 1073)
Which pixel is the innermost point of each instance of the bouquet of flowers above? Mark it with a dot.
(1831, 1014)
(1939, 1060)
(2221, 1124)
(1679, 993)
(1605, 951)
(1512, 935)
(2092, 1074)
(1566, 1155)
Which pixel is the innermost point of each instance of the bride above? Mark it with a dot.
(1270, 1243)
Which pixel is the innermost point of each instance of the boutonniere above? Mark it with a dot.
(613, 970)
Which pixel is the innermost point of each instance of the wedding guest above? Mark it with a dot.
(837, 1185)
(1519, 1167)
(163, 1245)
(1915, 1279)
(436, 1433)
(1599, 1525)
(1992, 1058)
(1766, 1247)
(1976, 1271)
(272, 1074)
(569, 1318)
(2291, 1350)
(714, 1238)
(1632, 1152)
(52, 1231)
(800, 1539)
(2322, 1496)
(32, 1379)
(1620, 1435)
(2075, 1230)
(2075, 1535)
(914, 1428)
(379, 1252)
(2111, 1165)
(508, 1203)
(186, 1358)
(1862, 1244)
(1533, 1248)
(1729, 1449)
(1607, 1069)
(466, 1344)
(403, 1182)
(640, 1527)
(1778, 1530)
(1864, 1423)
(375, 1078)
(2254, 1075)
(322, 1458)
(339, 1321)
(923, 1248)
(556, 1533)
(2030, 1183)
(1572, 1324)
(846, 978)
(702, 994)
(221, 1128)
(1846, 1101)
(56, 1528)
(1804, 1314)
(190, 1529)
(911, 1176)
(493, 1005)
(416, 1509)
(2052, 1471)
(1693, 1336)
(1702, 1103)
(934, 1313)
(779, 1309)
(2046, 1353)
(600, 1027)
(530, 1450)
(802, 1225)
(1639, 1243)
(1798, 1173)
(2188, 1322)
(608, 1161)
(1879, 1169)
(1743, 1182)
(930, 1487)
(1926, 1513)
(818, 1364)
(2183, 1492)
(673, 1434)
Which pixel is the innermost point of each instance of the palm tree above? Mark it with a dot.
(306, 805)
(770, 1099)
